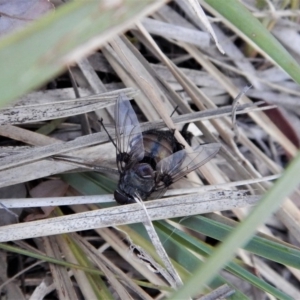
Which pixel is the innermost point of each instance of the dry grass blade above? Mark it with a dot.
(220, 186)
(196, 8)
(176, 32)
(56, 201)
(172, 276)
(221, 292)
(86, 159)
(54, 149)
(207, 115)
(92, 253)
(59, 274)
(79, 200)
(22, 114)
(173, 207)
(83, 279)
(112, 271)
(121, 248)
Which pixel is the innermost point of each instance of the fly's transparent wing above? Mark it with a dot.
(179, 164)
(129, 139)
(158, 192)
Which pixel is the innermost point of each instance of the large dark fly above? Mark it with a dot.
(149, 162)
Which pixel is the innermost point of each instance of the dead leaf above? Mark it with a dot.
(10, 216)
(49, 188)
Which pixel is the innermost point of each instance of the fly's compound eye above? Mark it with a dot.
(121, 198)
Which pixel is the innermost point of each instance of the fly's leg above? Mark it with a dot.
(175, 109)
(178, 146)
(186, 134)
(109, 136)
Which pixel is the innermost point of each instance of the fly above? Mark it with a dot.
(149, 162)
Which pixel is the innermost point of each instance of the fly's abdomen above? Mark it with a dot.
(158, 145)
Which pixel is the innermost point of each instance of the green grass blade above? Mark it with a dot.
(269, 248)
(90, 183)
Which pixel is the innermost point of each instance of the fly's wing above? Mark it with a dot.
(181, 163)
(129, 139)
(158, 192)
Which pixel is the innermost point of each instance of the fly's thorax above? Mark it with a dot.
(140, 179)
